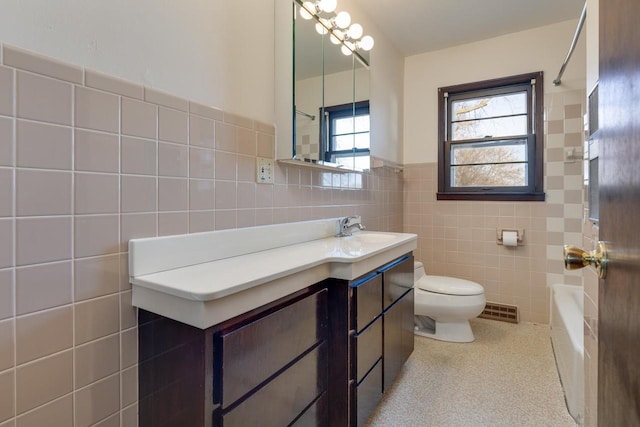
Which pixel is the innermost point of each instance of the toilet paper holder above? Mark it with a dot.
(519, 233)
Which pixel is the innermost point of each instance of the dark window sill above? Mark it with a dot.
(508, 197)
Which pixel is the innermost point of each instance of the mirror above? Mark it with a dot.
(330, 99)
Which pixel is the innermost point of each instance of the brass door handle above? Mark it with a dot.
(575, 258)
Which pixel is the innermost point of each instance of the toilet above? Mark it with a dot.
(444, 305)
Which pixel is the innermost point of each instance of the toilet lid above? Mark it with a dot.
(449, 285)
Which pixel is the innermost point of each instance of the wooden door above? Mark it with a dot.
(619, 296)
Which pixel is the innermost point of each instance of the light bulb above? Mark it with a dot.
(355, 31)
(366, 43)
(336, 37)
(342, 19)
(328, 5)
(307, 10)
(320, 29)
(348, 47)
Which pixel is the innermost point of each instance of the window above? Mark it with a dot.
(490, 137)
(348, 135)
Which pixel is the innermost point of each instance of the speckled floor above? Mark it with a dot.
(507, 377)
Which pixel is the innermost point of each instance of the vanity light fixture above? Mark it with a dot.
(342, 20)
(355, 31)
(337, 25)
(336, 37)
(366, 43)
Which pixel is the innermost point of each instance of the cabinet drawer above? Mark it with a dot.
(281, 400)
(398, 336)
(316, 415)
(369, 394)
(368, 300)
(256, 351)
(368, 348)
(397, 280)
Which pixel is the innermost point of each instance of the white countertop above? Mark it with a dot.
(263, 264)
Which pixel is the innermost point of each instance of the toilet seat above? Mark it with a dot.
(448, 285)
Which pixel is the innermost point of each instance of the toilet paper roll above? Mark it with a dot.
(510, 238)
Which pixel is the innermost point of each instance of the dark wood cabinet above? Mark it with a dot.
(398, 336)
(284, 398)
(398, 278)
(322, 356)
(171, 373)
(398, 312)
(368, 393)
(316, 414)
(268, 367)
(382, 326)
(367, 299)
(273, 368)
(366, 348)
(252, 353)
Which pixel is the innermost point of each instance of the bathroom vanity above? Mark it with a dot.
(381, 306)
(308, 329)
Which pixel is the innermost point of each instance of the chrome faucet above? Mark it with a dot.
(345, 226)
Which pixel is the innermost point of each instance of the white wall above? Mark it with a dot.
(220, 53)
(387, 87)
(539, 49)
(216, 52)
(387, 101)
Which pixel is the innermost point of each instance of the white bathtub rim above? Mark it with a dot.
(570, 311)
(568, 349)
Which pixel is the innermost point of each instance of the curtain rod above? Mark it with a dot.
(558, 80)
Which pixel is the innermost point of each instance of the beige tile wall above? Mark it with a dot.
(88, 162)
(458, 238)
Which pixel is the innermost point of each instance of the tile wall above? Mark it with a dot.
(306, 150)
(458, 238)
(87, 162)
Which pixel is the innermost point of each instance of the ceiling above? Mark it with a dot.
(417, 26)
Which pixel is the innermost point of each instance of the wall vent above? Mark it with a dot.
(502, 312)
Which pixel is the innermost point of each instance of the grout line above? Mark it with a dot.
(120, 262)
(14, 235)
(44, 404)
(73, 250)
(157, 173)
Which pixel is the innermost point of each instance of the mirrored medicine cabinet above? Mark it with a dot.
(330, 99)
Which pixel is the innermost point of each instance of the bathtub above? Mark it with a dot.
(567, 340)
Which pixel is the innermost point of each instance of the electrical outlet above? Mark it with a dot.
(264, 171)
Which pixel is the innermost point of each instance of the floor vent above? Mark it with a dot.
(502, 312)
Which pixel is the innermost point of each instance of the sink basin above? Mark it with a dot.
(364, 241)
(371, 237)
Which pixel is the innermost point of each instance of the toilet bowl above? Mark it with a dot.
(444, 305)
